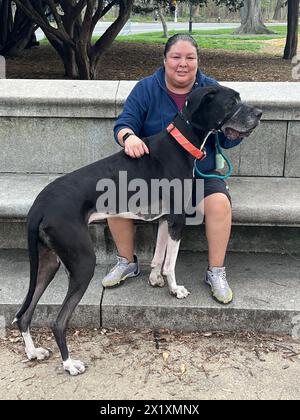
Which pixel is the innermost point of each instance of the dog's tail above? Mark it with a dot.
(33, 223)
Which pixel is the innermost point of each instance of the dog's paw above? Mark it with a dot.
(37, 353)
(74, 367)
(156, 279)
(180, 292)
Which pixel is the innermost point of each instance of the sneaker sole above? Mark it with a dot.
(122, 279)
(215, 298)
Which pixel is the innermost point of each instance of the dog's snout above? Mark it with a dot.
(258, 112)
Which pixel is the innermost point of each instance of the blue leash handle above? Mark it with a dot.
(220, 151)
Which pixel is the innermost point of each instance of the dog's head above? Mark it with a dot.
(219, 107)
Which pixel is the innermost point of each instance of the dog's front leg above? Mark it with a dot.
(156, 278)
(169, 269)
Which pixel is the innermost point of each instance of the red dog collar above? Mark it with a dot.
(185, 143)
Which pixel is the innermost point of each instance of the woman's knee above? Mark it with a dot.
(217, 205)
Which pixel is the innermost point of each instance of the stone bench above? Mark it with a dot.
(48, 128)
(58, 126)
(256, 201)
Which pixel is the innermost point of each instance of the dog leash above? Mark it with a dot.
(200, 153)
(221, 158)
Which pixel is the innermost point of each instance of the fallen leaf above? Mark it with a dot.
(183, 368)
(165, 355)
(15, 340)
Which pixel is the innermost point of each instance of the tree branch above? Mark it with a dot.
(112, 31)
(43, 23)
(30, 11)
(97, 15)
(78, 8)
(55, 13)
(87, 20)
(109, 6)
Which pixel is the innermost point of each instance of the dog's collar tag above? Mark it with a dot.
(185, 143)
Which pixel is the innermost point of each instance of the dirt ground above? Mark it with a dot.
(137, 365)
(132, 61)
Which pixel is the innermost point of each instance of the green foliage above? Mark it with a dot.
(143, 6)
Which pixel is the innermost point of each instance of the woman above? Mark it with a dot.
(149, 108)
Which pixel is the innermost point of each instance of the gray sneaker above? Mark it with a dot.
(121, 271)
(216, 278)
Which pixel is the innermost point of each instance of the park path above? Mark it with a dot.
(139, 365)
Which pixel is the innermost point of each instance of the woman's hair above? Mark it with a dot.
(180, 37)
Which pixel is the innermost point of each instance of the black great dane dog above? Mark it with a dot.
(58, 220)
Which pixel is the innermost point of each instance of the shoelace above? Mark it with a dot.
(221, 279)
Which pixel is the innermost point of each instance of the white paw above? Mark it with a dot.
(156, 279)
(180, 292)
(74, 367)
(39, 353)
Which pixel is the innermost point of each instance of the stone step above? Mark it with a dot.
(266, 217)
(266, 239)
(266, 296)
(14, 281)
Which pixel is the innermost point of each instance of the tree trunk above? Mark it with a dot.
(163, 22)
(70, 64)
(278, 10)
(97, 52)
(292, 35)
(72, 34)
(67, 55)
(16, 29)
(86, 68)
(251, 19)
(22, 33)
(6, 22)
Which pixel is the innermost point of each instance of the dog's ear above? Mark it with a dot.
(197, 105)
(209, 97)
(199, 97)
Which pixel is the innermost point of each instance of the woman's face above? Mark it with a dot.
(181, 64)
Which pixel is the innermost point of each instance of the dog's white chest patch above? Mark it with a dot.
(128, 215)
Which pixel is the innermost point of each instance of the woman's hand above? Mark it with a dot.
(135, 147)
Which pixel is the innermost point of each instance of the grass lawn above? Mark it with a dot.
(215, 39)
(224, 39)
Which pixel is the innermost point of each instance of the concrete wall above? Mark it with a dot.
(55, 126)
